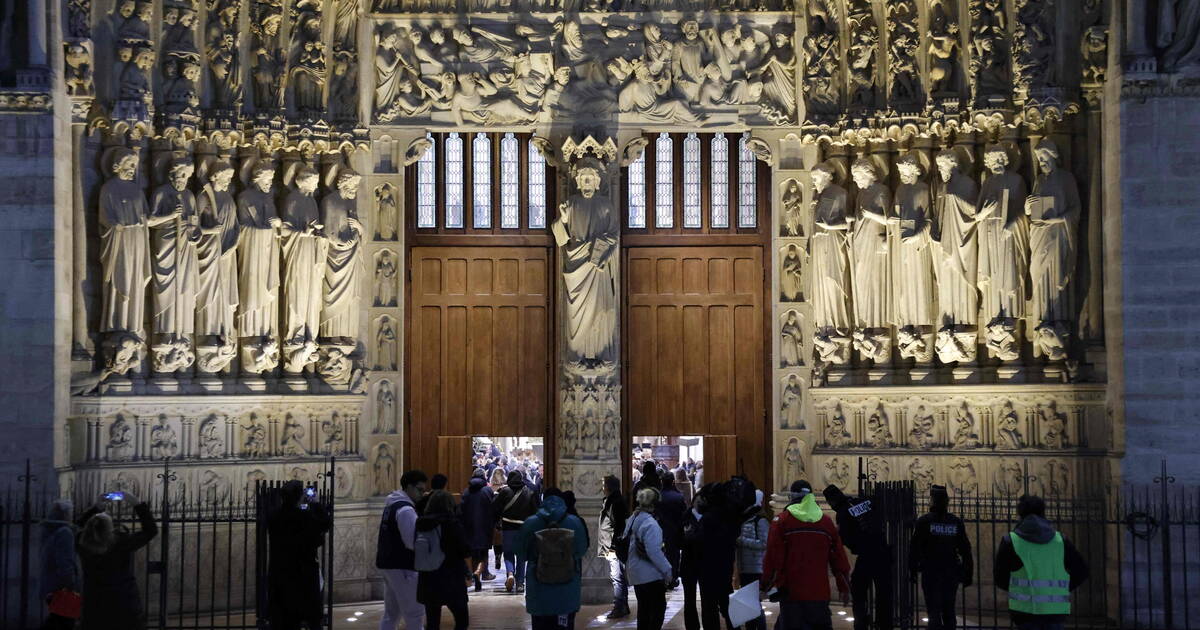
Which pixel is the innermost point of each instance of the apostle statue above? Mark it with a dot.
(304, 248)
(217, 299)
(124, 259)
(258, 270)
(793, 210)
(1003, 253)
(791, 341)
(1053, 208)
(344, 234)
(829, 278)
(791, 277)
(870, 262)
(174, 236)
(956, 261)
(913, 282)
(792, 403)
(587, 231)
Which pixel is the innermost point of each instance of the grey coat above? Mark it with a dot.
(752, 544)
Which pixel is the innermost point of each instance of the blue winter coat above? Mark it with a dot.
(542, 600)
(477, 514)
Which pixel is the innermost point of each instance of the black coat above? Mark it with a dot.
(670, 513)
(448, 583)
(524, 507)
(293, 572)
(612, 522)
(111, 599)
(477, 518)
(708, 554)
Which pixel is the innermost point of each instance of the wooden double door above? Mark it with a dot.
(694, 352)
(480, 351)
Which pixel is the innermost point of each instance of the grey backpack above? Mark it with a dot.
(556, 554)
(427, 547)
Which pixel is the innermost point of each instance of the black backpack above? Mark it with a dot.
(738, 494)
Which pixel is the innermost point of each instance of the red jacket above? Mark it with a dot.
(802, 548)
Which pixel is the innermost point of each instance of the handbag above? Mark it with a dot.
(66, 603)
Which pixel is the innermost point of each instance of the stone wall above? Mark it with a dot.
(1161, 278)
(27, 294)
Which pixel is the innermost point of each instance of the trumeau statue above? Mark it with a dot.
(587, 230)
(870, 262)
(829, 274)
(304, 251)
(1053, 207)
(913, 284)
(217, 294)
(258, 270)
(174, 235)
(1003, 253)
(124, 256)
(956, 261)
(343, 266)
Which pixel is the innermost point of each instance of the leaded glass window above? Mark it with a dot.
(637, 192)
(747, 204)
(427, 187)
(454, 181)
(691, 181)
(537, 188)
(664, 185)
(481, 180)
(510, 164)
(720, 181)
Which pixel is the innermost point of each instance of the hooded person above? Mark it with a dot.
(941, 553)
(60, 571)
(861, 529)
(510, 507)
(613, 514)
(752, 545)
(395, 555)
(552, 604)
(112, 598)
(803, 548)
(649, 479)
(296, 532)
(672, 506)
(443, 585)
(1039, 568)
(478, 524)
(707, 559)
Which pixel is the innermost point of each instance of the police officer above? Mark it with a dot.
(941, 553)
(861, 529)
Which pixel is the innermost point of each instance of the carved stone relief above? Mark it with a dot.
(989, 52)
(385, 278)
(862, 53)
(791, 274)
(792, 403)
(879, 429)
(269, 65)
(793, 458)
(254, 440)
(943, 59)
(385, 412)
(120, 440)
(386, 217)
(792, 210)
(1034, 45)
(966, 436)
(962, 476)
(822, 59)
(384, 470)
(1010, 478)
(306, 59)
(791, 344)
(385, 343)
(920, 471)
(164, 439)
(836, 433)
(292, 441)
(903, 41)
(837, 472)
(212, 440)
(223, 53)
(921, 435)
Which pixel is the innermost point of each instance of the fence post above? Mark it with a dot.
(164, 542)
(26, 526)
(330, 483)
(1163, 481)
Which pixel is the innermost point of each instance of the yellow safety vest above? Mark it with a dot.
(1042, 586)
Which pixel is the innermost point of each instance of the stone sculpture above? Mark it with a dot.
(913, 284)
(258, 270)
(870, 262)
(989, 51)
(922, 433)
(304, 251)
(385, 470)
(921, 473)
(343, 262)
(1053, 425)
(791, 342)
(1034, 44)
(292, 442)
(164, 441)
(793, 460)
(791, 276)
(174, 235)
(120, 440)
(822, 58)
(793, 210)
(125, 262)
(1178, 34)
(943, 59)
(879, 429)
(903, 41)
(212, 444)
(837, 472)
(385, 403)
(385, 213)
(793, 403)
(385, 278)
(255, 438)
(830, 267)
(1054, 209)
(217, 293)
(1003, 253)
(222, 39)
(962, 477)
(956, 261)
(965, 435)
(307, 71)
(267, 51)
(1008, 429)
(334, 432)
(385, 344)
(862, 52)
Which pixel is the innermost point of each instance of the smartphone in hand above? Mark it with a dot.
(115, 496)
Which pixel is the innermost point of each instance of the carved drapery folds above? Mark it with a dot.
(223, 52)
(822, 59)
(306, 74)
(266, 49)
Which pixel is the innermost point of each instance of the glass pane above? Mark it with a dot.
(509, 166)
(637, 192)
(481, 181)
(747, 204)
(537, 188)
(454, 181)
(691, 181)
(664, 182)
(720, 181)
(427, 187)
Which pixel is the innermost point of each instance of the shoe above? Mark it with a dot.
(487, 577)
(478, 585)
(520, 588)
(617, 613)
(509, 582)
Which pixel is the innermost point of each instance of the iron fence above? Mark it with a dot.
(206, 568)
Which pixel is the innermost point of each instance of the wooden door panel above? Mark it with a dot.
(720, 457)
(481, 347)
(694, 346)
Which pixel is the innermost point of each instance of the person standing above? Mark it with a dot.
(803, 548)
(437, 482)
(670, 512)
(511, 506)
(752, 545)
(496, 482)
(60, 571)
(649, 571)
(296, 531)
(861, 528)
(443, 585)
(552, 599)
(941, 553)
(395, 556)
(478, 525)
(706, 561)
(1039, 568)
(112, 601)
(613, 514)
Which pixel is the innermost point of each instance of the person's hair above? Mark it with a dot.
(1031, 505)
(440, 502)
(649, 468)
(612, 484)
(478, 472)
(60, 510)
(800, 486)
(568, 497)
(647, 498)
(439, 482)
(412, 478)
(220, 166)
(668, 479)
(262, 167)
(98, 534)
(291, 492)
(497, 476)
(681, 476)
